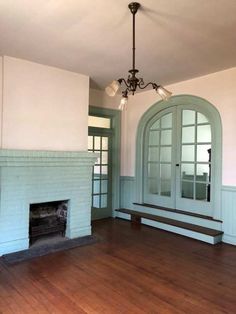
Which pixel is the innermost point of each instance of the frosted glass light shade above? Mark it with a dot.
(163, 93)
(123, 103)
(112, 89)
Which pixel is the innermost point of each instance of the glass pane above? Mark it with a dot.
(154, 137)
(153, 186)
(90, 142)
(96, 169)
(188, 117)
(165, 172)
(105, 143)
(104, 201)
(96, 176)
(165, 187)
(187, 189)
(104, 157)
(201, 118)
(104, 169)
(187, 171)
(153, 170)
(166, 121)
(201, 191)
(99, 122)
(96, 199)
(202, 152)
(188, 153)
(153, 154)
(97, 142)
(156, 125)
(166, 137)
(104, 185)
(188, 134)
(204, 133)
(166, 154)
(203, 172)
(96, 186)
(165, 176)
(97, 162)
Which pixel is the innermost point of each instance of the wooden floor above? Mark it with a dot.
(129, 270)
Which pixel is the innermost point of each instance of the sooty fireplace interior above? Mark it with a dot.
(47, 218)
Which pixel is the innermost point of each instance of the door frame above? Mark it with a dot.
(115, 116)
(215, 121)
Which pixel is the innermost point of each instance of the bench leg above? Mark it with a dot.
(135, 220)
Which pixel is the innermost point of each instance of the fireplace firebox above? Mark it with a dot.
(47, 219)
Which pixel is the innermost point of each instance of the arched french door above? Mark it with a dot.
(179, 154)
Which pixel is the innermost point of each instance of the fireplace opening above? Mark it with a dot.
(47, 219)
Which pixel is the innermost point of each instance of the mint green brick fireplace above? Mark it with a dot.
(28, 177)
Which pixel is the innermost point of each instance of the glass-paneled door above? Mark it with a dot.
(177, 160)
(194, 163)
(100, 142)
(159, 187)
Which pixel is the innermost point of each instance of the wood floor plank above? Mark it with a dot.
(130, 270)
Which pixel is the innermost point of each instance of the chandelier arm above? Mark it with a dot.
(125, 92)
(122, 80)
(154, 85)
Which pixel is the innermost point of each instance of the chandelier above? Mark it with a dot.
(133, 82)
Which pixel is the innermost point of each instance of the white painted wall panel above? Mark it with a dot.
(44, 108)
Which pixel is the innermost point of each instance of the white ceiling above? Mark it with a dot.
(175, 39)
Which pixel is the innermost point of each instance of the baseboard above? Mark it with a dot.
(229, 239)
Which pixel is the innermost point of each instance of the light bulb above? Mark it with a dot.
(112, 89)
(123, 103)
(163, 93)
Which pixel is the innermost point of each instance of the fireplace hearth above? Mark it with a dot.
(47, 219)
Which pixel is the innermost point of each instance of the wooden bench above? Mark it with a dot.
(136, 217)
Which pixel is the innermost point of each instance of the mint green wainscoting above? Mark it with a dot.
(229, 214)
(127, 189)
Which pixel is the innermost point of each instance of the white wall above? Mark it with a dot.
(99, 98)
(1, 95)
(44, 108)
(218, 88)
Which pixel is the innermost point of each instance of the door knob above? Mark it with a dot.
(177, 165)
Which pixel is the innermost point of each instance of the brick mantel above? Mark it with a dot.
(28, 158)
